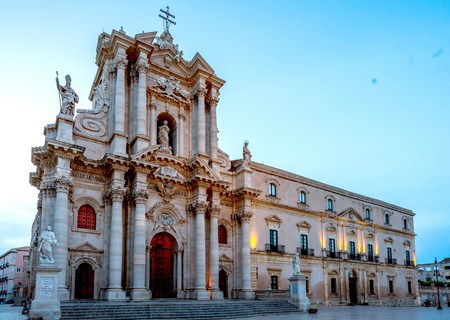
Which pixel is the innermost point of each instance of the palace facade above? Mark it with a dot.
(144, 204)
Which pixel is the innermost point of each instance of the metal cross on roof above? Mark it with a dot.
(166, 19)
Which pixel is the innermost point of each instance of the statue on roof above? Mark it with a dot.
(68, 97)
(246, 154)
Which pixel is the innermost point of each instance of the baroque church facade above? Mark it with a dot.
(144, 204)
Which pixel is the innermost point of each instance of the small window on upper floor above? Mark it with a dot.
(272, 189)
(86, 218)
(367, 211)
(223, 235)
(302, 197)
(405, 223)
(387, 218)
(330, 204)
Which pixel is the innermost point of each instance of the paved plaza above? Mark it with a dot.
(7, 312)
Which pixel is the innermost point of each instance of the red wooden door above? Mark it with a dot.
(162, 257)
(84, 282)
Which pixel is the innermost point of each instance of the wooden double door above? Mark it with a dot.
(162, 266)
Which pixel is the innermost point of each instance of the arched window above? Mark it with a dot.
(272, 190)
(367, 211)
(330, 204)
(86, 218)
(223, 239)
(302, 197)
(387, 219)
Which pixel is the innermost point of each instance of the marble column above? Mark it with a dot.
(180, 294)
(213, 127)
(216, 294)
(153, 125)
(200, 292)
(181, 118)
(118, 144)
(201, 126)
(141, 141)
(115, 291)
(61, 229)
(139, 291)
(246, 289)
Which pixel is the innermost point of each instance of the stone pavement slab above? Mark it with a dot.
(8, 312)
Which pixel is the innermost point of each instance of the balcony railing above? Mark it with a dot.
(274, 248)
(409, 263)
(333, 254)
(305, 252)
(352, 256)
(391, 261)
(373, 258)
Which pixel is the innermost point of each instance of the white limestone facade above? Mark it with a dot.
(144, 204)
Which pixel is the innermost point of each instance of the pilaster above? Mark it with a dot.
(201, 123)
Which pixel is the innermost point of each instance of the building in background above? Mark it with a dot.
(144, 203)
(427, 271)
(13, 287)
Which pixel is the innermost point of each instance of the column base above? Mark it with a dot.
(139, 144)
(181, 294)
(118, 144)
(115, 294)
(216, 294)
(200, 294)
(140, 294)
(246, 294)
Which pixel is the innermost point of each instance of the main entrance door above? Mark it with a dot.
(162, 266)
(352, 288)
(223, 283)
(84, 282)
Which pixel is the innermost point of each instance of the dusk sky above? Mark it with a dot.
(355, 94)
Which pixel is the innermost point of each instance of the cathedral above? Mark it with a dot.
(143, 203)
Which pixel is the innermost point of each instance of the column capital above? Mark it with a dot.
(214, 210)
(139, 195)
(142, 67)
(120, 62)
(213, 101)
(198, 207)
(201, 91)
(115, 193)
(63, 184)
(245, 215)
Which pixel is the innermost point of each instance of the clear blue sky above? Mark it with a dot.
(355, 94)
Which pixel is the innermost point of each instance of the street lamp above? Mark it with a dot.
(437, 284)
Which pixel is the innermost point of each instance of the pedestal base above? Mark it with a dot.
(140, 294)
(298, 295)
(63, 294)
(246, 294)
(200, 294)
(181, 294)
(115, 295)
(216, 294)
(46, 303)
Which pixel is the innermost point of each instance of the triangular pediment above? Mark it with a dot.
(198, 62)
(225, 258)
(86, 247)
(351, 214)
(274, 220)
(146, 37)
(201, 170)
(304, 225)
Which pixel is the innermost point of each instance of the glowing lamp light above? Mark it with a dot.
(253, 241)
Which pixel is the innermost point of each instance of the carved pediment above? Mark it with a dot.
(331, 227)
(389, 240)
(351, 231)
(407, 243)
(225, 258)
(304, 225)
(86, 247)
(170, 88)
(351, 214)
(201, 170)
(169, 172)
(274, 220)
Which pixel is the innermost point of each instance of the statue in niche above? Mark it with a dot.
(163, 134)
(68, 97)
(46, 240)
(296, 265)
(246, 154)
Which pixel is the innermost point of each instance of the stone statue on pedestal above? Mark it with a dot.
(46, 240)
(68, 96)
(296, 265)
(163, 138)
(246, 154)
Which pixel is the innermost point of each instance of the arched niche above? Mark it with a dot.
(172, 124)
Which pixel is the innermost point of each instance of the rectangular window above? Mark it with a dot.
(307, 285)
(274, 282)
(408, 257)
(18, 270)
(304, 243)
(391, 286)
(332, 245)
(389, 254)
(330, 204)
(273, 240)
(371, 286)
(409, 287)
(333, 285)
(352, 249)
(447, 267)
(370, 252)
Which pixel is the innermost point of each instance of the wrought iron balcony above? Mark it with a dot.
(274, 248)
(305, 252)
(409, 263)
(391, 261)
(354, 256)
(334, 254)
(373, 258)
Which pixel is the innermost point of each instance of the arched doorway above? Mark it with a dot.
(84, 281)
(162, 266)
(352, 287)
(223, 283)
